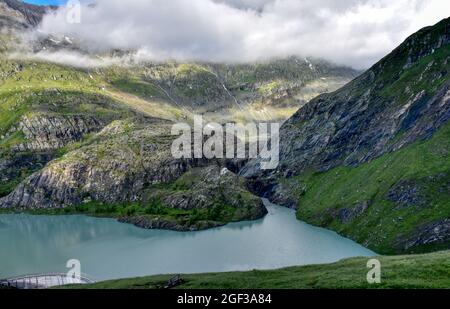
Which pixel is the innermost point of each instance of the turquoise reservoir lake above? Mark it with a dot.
(108, 249)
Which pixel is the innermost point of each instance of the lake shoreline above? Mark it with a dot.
(275, 241)
(399, 272)
(148, 222)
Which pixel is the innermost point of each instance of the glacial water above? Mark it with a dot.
(108, 249)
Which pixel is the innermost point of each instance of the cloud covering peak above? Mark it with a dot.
(356, 33)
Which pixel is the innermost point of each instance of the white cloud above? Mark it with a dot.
(73, 58)
(351, 32)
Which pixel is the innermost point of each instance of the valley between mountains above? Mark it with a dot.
(365, 154)
(97, 140)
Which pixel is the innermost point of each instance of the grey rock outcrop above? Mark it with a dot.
(347, 215)
(204, 187)
(29, 14)
(210, 189)
(362, 121)
(45, 132)
(121, 162)
(407, 194)
(434, 233)
(114, 168)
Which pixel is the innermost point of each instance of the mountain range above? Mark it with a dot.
(369, 160)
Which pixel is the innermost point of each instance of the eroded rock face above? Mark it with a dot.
(28, 14)
(209, 186)
(434, 233)
(10, 166)
(373, 115)
(131, 161)
(347, 215)
(17, 166)
(211, 189)
(45, 132)
(407, 194)
(113, 168)
(353, 130)
(121, 162)
(282, 194)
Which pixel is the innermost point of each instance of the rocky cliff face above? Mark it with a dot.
(213, 194)
(113, 167)
(348, 156)
(17, 15)
(130, 161)
(25, 13)
(44, 132)
(402, 99)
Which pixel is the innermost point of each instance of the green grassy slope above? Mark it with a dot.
(35, 89)
(424, 164)
(27, 78)
(391, 202)
(415, 271)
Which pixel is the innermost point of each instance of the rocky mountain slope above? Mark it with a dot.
(270, 90)
(371, 160)
(68, 143)
(16, 14)
(17, 17)
(97, 140)
(261, 91)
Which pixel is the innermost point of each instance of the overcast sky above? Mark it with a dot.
(356, 33)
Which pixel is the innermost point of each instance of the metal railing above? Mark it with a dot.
(42, 281)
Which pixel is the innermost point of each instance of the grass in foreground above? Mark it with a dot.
(414, 271)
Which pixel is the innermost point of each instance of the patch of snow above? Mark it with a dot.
(68, 40)
(311, 67)
(55, 41)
